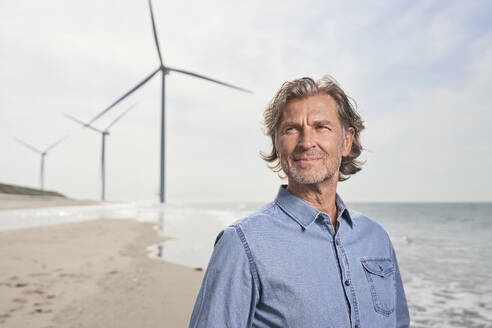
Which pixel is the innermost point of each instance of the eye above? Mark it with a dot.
(323, 127)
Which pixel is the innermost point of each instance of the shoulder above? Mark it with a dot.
(372, 235)
(229, 247)
(262, 219)
(258, 226)
(258, 220)
(367, 224)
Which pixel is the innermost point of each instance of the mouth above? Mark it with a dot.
(307, 160)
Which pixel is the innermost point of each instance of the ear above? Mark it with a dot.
(347, 141)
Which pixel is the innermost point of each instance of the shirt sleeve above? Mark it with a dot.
(401, 309)
(228, 294)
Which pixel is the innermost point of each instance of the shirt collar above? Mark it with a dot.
(303, 213)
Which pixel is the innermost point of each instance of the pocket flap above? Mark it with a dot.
(379, 266)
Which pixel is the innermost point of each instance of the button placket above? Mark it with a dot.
(348, 286)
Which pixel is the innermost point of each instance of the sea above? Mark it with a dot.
(444, 250)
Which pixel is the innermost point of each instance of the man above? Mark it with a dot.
(305, 260)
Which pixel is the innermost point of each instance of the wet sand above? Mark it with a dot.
(91, 274)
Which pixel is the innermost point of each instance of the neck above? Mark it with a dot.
(321, 196)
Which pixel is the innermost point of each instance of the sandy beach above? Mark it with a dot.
(91, 274)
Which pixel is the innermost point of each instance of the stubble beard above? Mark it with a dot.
(326, 171)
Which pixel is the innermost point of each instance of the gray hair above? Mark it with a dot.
(304, 88)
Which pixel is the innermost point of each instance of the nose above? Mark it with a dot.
(306, 139)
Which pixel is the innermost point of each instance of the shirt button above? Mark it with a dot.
(337, 242)
(347, 283)
(356, 326)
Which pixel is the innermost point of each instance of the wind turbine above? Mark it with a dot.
(103, 133)
(42, 153)
(164, 70)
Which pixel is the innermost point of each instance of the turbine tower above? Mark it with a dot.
(164, 71)
(103, 133)
(43, 155)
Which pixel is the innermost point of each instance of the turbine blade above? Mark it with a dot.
(125, 95)
(73, 118)
(85, 125)
(25, 144)
(155, 33)
(121, 115)
(56, 143)
(209, 79)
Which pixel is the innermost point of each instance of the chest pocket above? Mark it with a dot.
(380, 273)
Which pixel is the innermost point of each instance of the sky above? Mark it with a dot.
(420, 72)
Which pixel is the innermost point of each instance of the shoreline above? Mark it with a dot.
(92, 274)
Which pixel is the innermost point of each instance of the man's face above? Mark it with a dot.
(310, 140)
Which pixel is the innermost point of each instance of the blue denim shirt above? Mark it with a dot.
(284, 266)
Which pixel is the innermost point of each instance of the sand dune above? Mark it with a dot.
(15, 201)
